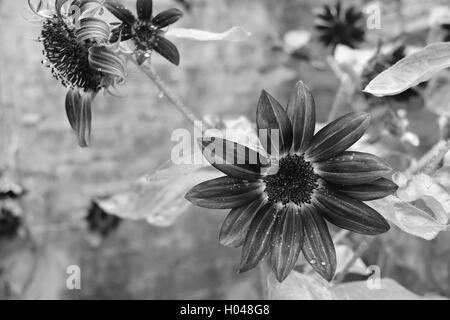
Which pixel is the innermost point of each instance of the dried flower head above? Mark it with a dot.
(76, 49)
(282, 212)
(146, 30)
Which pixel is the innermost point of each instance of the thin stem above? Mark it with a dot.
(150, 72)
(338, 100)
(359, 251)
(430, 161)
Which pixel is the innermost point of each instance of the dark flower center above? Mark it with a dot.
(294, 182)
(146, 35)
(67, 57)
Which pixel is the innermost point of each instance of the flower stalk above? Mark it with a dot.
(150, 72)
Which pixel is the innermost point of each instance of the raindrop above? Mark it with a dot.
(312, 261)
(147, 55)
(161, 95)
(323, 263)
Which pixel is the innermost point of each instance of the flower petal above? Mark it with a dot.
(235, 226)
(233, 159)
(102, 58)
(370, 191)
(301, 110)
(259, 236)
(318, 247)
(224, 193)
(144, 9)
(93, 29)
(120, 12)
(287, 242)
(123, 33)
(78, 109)
(338, 135)
(272, 119)
(350, 214)
(351, 168)
(167, 17)
(168, 50)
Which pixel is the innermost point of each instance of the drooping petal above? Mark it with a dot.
(78, 109)
(370, 191)
(258, 240)
(144, 9)
(73, 99)
(224, 193)
(120, 12)
(338, 135)
(351, 168)
(233, 159)
(287, 242)
(350, 214)
(318, 247)
(301, 110)
(93, 29)
(168, 50)
(167, 17)
(272, 119)
(102, 58)
(235, 226)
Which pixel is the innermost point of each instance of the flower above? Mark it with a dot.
(100, 221)
(78, 53)
(280, 200)
(337, 27)
(146, 30)
(9, 221)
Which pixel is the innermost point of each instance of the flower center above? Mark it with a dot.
(146, 35)
(67, 57)
(294, 182)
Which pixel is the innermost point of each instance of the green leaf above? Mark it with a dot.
(411, 70)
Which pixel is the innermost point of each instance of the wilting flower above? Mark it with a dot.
(9, 220)
(146, 30)
(336, 26)
(100, 221)
(282, 212)
(78, 53)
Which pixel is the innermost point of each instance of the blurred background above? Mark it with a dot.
(53, 181)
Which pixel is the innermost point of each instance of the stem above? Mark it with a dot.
(431, 160)
(150, 72)
(340, 96)
(359, 251)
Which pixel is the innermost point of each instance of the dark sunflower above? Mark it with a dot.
(99, 221)
(282, 212)
(78, 53)
(146, 30)
(336, 26)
